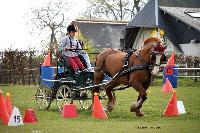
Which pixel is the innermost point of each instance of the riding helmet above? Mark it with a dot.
(71, 28)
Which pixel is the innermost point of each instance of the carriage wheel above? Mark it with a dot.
(43, 97)
(63, 96)
(86, 101)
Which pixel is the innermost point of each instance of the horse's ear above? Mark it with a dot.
(165, 46)
(154, 45)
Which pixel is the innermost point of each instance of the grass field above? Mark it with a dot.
(120, 120)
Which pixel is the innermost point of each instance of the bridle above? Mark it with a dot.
(158, 50)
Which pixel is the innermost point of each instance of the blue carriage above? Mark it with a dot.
(61, 84)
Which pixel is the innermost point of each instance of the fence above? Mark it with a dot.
(22, 67)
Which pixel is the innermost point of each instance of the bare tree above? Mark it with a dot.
(118, 10)
(51, 16)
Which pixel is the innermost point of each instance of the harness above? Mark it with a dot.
(72, 44)
(125, 69)
(126, 58)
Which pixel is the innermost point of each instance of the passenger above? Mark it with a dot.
(85, 56)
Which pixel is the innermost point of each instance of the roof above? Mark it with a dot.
(181, 14)
(179, 27)
(147, 17)
(180, 3)
(101, 21)
(103, 34)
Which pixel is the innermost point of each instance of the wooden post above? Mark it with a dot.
(196, 63)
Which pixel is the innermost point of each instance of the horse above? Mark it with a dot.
(111, 62)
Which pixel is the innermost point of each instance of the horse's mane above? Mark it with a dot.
(151, 39)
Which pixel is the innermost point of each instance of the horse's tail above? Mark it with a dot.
(99, 69)
(102, 57)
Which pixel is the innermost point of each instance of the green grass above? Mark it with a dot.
(120, 120)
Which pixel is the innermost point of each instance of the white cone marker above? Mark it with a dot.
(15, 118)
(181, 108)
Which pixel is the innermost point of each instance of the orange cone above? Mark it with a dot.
(97, 109)
(8, 104)
(171, 60)
(29, 116)
(172, 109)
(69, 111)
(3, 110)
(47, 61)
(167, 87)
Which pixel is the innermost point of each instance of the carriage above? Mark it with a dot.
(62, 85)
(131, 70)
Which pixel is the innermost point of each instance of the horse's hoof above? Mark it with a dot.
(110, 107)
(133, 107)
(139, 113)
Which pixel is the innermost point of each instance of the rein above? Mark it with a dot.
(142, 60)
(126, 70)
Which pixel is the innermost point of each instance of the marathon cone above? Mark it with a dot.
(167, 87)
(69, 111)
(97, 109)
(8, 104)
(4, 116)
(172, 109)
(30, 116)
(171, 60)
(47, 61)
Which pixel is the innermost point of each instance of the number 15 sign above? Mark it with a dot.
(15, 118)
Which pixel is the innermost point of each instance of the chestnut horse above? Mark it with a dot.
(110, 62)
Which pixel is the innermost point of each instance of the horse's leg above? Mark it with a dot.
(111, 100)
(98, 78)
(138, 109)
(135, 107)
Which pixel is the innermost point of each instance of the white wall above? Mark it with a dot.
(145, 33)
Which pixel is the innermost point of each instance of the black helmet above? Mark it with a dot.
(71, 28)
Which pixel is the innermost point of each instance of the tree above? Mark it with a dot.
(118, 10)
(51, 17)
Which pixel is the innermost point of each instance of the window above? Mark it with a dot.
(194, 14)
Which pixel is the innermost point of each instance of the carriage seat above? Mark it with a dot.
(67, 65)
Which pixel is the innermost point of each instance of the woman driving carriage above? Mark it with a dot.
(69, 46)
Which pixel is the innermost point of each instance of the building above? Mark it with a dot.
(103, 34)
(180, 19)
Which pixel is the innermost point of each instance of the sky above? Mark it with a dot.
(13, 22)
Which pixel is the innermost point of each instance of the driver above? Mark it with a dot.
(69, 45)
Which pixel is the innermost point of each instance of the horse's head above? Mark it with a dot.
(156, 49)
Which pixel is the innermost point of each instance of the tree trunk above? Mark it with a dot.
(121, 10)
